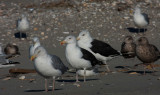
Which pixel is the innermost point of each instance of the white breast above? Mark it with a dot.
(73, 55)
(43, 65)
(139, 20)
(23, 25)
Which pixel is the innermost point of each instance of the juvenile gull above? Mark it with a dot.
(11, 50)
(3, 61)
(36, 43)
(47, 65)
(101, 50)
(147, 53)
(128, 47)
(140, 19)
(23, 25)
(78, 58)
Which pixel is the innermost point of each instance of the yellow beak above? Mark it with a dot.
(63, 42)
(78, 38)
(33, 57)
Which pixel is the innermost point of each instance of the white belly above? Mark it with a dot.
(140, 21)
(45, 68)
(73, 56)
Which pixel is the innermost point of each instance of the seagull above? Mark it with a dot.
(3, 61)
(140, 19)
(101, 50)
(23, 25)
(47, 65)
(128, 47)
(79, 58)
(11, 50)
(146, 52)
(36, 43)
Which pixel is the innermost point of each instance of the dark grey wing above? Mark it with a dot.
(58, 64)
(154, 48)
(146, 17)
(103, 48)
(90, 57)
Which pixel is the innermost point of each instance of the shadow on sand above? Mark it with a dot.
(81, 80)
(17, 35)
(136, 30)
(42, 90)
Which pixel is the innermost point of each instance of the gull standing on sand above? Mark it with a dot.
(47, 65)
(79, 58)
(101, 50)
(23, 25)
(147, 53)
(36, 43)
(141, 20)
(128, 47)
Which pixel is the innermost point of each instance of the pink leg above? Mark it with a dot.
(77, 77)
(53, 84)
(84, 74)
(46, 88)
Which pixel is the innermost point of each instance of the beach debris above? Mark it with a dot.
(133, 73)
(122, 70)
(65, 32)
(22, 77)
(7, 78)
(42, 33)
(76, 84)
(21, 71)
(35, 29)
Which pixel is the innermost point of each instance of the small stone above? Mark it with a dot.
(42, 33)
(22, 77)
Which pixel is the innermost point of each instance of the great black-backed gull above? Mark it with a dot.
(140, 19)
(47, 65)
(101, 50)
(147, 53)
(36, 43)
(79, 58)
(128, 47)
(23, 25)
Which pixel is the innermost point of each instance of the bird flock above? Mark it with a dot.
(84, 53)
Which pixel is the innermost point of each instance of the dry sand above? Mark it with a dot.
(52, 23)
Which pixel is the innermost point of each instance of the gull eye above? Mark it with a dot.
(83, 35)
(69, 38)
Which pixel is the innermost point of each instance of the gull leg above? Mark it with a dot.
(53, 84)
(77, 77)
(46, 88)
(144, 69)
(107, 67)
(84, 74)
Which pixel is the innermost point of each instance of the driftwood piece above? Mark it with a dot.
(21, 71)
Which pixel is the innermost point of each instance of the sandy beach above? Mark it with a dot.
(53, 20)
